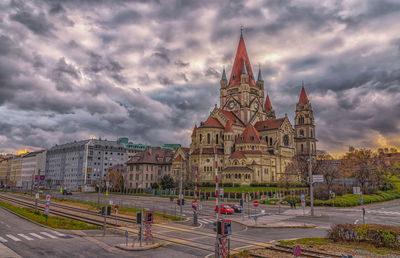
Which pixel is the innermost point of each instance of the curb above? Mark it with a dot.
(138, 248)
(271, 226)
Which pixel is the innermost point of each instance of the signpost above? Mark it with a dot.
(36, 200)
(126, 236)
(362, 206)
(318, 178)
(116, 212)
(303, 204)
(255, 204)
(47, 207)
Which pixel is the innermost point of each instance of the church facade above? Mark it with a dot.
(252, 144)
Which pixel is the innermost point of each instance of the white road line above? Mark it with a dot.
(58, 233)
(36, 235)
(3, 240)
(13, 238)
(47, 234)
(207, 220)
(355, 222)
(26, 237)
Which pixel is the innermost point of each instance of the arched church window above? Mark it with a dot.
(201, 137)
(266, 139)
(208, 138)
(252, 138)
(301, 132)
(286, 140)
(270, 141)
(216, 139)
(311, 134)
(302, 148)
(252, 147)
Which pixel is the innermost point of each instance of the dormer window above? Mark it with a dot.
(265, 127)
(252, 138)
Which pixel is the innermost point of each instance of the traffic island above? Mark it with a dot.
(271, 222)
(136, 246)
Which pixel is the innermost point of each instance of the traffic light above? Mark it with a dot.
(178, 202)
(227, 228)
(183, 201)
(106, 210)
(149, 217)
(241, 202)
(138, 217)
(218, 227)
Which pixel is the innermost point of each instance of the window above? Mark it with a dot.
(270, 141)
(137, 167)
(266, 139)
(302, 148)
(301, 133)
(137, 177)
(151, 176)
(252, 138)
(216, 139)
(147, 177)
(130, 176)
(208, 138)
(311, 133)
(201, 137)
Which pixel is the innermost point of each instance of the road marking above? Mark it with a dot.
(36, 235)
(58, 233)
(47, 234)
(26, 237)
(355, 222)
(13, 238)
(3, 240)
(206, 221)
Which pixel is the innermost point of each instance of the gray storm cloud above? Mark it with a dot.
(150, 70)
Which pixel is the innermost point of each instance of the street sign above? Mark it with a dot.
(255, 204)
(255, 218)
(297, 251)
(111, 202)
(318, 178)
(356, 190)
(37, 195)
(116, 209)
(302, 196)
(221, 192)
(48, 197)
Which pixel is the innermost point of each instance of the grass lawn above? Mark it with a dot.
(52, 221)
(329, 245)
(158, 217)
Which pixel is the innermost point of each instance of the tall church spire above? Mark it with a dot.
(241, 59)
(303, 97)
(244, 70)
(259, 77)
(223, 75)
(270, 112)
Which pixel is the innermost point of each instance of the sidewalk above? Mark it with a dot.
(272, 221)
(7, 252)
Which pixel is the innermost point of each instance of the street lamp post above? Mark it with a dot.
(180, 189)
(311, 181)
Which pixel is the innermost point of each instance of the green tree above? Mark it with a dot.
(167, 182)
(154, 185)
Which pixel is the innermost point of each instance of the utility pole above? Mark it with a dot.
(196, 206)
(217, 246)
(98, 194)
(180, 188)
(311, 181)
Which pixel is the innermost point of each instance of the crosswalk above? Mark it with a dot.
(31, 236)
(381, 212)
(206, 220)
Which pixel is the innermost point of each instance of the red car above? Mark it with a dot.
(224, 209)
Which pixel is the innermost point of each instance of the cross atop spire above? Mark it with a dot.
(241, 31)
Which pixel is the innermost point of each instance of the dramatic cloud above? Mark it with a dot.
(150, 70)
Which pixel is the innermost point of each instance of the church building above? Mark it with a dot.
(253, 145)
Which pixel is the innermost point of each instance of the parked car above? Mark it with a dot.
(225, 209)
(236, 207)
(67, 192)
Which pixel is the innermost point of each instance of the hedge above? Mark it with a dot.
(378, 235)
(348, 200)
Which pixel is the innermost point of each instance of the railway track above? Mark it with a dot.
(289, 250)
(98, 219)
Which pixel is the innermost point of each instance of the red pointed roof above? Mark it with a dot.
(250, 135)
(232, 117)
(241, 55)
(228, 126)
(212, 122)
(194, 131)
(269, 124)
(303, 97)
(268, 106)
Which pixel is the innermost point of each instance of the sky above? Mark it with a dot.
(150, 70)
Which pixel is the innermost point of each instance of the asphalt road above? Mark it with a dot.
(186, 239)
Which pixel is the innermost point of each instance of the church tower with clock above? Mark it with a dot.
(243, 94)
(253, 145)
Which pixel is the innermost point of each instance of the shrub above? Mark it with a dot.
(378, 235)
